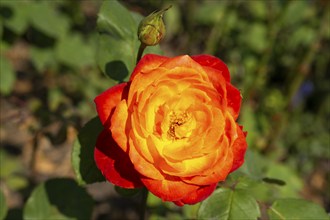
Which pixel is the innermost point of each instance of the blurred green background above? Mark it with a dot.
(277, 52)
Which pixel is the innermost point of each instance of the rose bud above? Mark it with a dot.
(152, 29)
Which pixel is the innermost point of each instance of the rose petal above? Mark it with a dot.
(140, 83)
(191, 167)
(119, 126)
(114, 163)
(148, 63)
(217, 80)
(239, 149)
(107, 101)
(234, 100)
(197, 196)
(169, 188)
(230, 129)
(215, 173)
(183, 62)
(214, 62)
(143, 165)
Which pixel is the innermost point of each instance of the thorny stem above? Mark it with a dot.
(143, 205)
(141, 49)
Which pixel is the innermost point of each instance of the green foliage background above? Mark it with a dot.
(56, 56)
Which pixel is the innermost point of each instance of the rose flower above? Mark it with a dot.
(171, 128)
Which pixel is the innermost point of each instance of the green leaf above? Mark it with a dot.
(190, 211)
(255, 165)
(257, 9)
(10, 165)
(16, 14)
(16, 182)
(42, 15)
(59, 199)
(55, 98)
(47, 19)
(118, 42)
(248, 119)
(293, 182)
(153, 201)
(257, 188)
(3, 206)
(74, 51)
(294, 12)
(297, 209)
(225, 204)
(256, 37)
(43, 58)
(210, 12)
(7, 76)
(302, 36)
(83, 153)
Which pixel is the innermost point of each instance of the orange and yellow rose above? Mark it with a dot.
(172, 128)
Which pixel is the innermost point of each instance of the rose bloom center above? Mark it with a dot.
(173, 124)
(180, 125)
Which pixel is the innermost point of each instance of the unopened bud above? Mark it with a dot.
(152, 28)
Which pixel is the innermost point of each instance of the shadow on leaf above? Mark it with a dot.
(116, 70)
(83, 153)
(70, 199)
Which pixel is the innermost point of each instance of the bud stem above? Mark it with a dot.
(141, 49)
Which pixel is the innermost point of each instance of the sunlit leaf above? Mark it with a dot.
(153, 200)
(293, 182)
(16, 182)
(55, 98)
(43, 58)
(9, 165)
(16, 14)
(210, 12)
(225, 204)
(257, 9)
(190, 211)
(256, 37)
(294, 12)
(47, 19)
(72, 50)
(255, 165)
(59, 199)
(255, 187)
(41, 15)
(298, 209)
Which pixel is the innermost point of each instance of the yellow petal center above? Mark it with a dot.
(180, 125)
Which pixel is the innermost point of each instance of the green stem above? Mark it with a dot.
(141, 49)
(143, 206)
